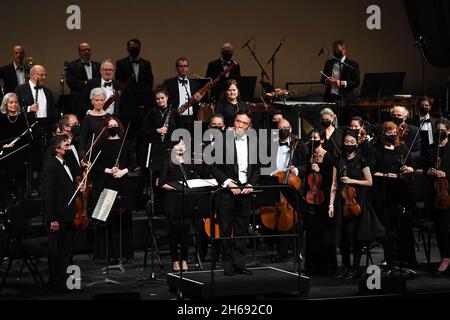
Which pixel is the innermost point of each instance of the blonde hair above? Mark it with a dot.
(331, 113)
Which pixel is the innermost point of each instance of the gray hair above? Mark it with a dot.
(3, 108)
(331, 113)
(404, 110)
(97, 92)
(107, 61)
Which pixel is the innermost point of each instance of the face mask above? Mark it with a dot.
(113, 131)
(316, 144)
(349, 149)
(423, 111)
(325, 123)
(338, 54)
(390, 138)
(440, 135)
(284, 134)
(397, 121)
(134, 51)
(226, 56)
(76, 130)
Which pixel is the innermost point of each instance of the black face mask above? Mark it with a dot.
(325, 123)
(284, 134)
(113, 131)
(440, 135)
(313, 143)
(349, 149)
(397, 121)
(338, 54)
(134, 51)
(76, 130)
(390, 138)
(226, 56)
(423, 111)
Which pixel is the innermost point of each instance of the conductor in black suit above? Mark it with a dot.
(234, 204)
(181, 89)
(342, 74)
(142, 70)
(13, 74)
(45, 105)
(217, 66)
(58, 186)
(106, 82)
(77, 75)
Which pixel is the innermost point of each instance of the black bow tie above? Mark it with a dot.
(64, 163)
(86, 64)
(19, 68)
(107, 84)
(182, 81)
(135, 61)
(426, 120)
(284, 144)
(226, 63)
(37, 87)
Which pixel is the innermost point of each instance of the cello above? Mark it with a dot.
(282, 216)
(314, 195)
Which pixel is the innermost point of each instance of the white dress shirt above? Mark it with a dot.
(20, 74)
(242, 161)
(65, 168)
(337, 75)
(184, 91)
(283, 157)
(427, 127)
(42, 100)
(88, 69)
(135, 68)
(109, 92)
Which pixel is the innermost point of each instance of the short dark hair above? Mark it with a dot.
(56, 142)
(229, 83)
(444, 122)
(314, 131)
(359, 119)
(181, 59)
(423, 98)
(339, 43)
(217, 115)
(160, 89)
(277, 111)
(133, 40)
(248, 113)
(351, 133)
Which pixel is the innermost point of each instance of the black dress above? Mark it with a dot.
(12, 168)
(124, 201)
(333, 143)
(228, 110)
(320, 251)
(91, 124)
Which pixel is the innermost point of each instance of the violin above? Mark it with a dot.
(314, 195)
(348, 193)
(403, 130)
(442, 200)
(282, 216)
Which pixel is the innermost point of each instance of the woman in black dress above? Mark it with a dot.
(12, 125)
(439, 212)
(320, 252)
(391, 192)
(352, 171)
(230, 104)
(93, 122)
(331, 135)
(110, 171)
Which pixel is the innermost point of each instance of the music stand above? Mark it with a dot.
(267, 86)
(101, 214)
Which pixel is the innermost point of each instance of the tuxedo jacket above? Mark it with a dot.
(9, 76)
(222, 172)
(76, 76)
(171, 85)
(214, 69)
(298, 156)
(57, 189)
(26, 99)
(96, 83)
(417, 147)
(124, 69)
(352, 76)
(416, 122)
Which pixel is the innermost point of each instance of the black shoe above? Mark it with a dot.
(243, 271)
(228, 273)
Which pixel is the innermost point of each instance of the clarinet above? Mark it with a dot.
(166, 123)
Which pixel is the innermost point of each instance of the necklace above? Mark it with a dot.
(12, 121)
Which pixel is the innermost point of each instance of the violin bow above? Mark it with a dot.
(84, 179)
(121, 146)
(412, 144)
(93, 144)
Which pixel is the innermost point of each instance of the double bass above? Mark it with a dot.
(282, 216)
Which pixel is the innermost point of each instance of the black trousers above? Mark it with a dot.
(234, 218)
(441, 220)
(60, 245)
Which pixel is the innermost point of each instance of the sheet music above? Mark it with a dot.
(104, 204)
(198, 183)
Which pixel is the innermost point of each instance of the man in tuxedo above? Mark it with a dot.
(77, 75)
(399, 116)
(136, 95)
(69, 125)
(106, 82)
(427, 126)
(58, 186)
(44, 105)
(181, 89)
(13, 74)
(215, 67)
(342, 74)
(234, 204)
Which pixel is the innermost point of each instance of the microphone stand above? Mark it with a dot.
(263, 72)
(419, 44)
(272, 60)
